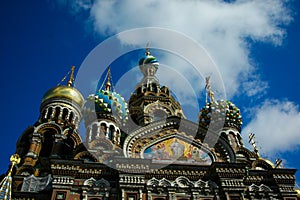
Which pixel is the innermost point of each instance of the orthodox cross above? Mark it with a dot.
(70, 82)
(71, 79)
(251, 141)
(278, 163)
(147, 50)
(209, 92)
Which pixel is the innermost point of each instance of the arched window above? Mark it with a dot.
(49, 113)
(103, 128)
(71, 117)
(111, 132)
(94, 131)
(65, 114)
(47, 143)
(57, 112)
(224, 135)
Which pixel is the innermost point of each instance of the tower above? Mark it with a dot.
(150, 101)
(105, 113)
(223, 117)
(55, 134)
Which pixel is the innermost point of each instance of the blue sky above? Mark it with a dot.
(254, 44)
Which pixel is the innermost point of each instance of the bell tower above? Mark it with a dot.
(55, 134)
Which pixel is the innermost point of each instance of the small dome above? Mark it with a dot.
(108, 102)
(67, 92)
(148, 59)
(298, 193)
(221, 110)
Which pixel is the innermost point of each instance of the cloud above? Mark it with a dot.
(276, 125)
(255, 87)
(224, 29)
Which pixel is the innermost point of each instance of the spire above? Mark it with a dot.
(209, 92)
(71, 79)
(5, 185)
(148, 65)
(148, 53)
(70, 82)
(108, 84)
(251, 141)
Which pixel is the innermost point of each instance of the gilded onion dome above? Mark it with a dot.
(65, 92)
(221, 111)
(106, 103)
(298, 193)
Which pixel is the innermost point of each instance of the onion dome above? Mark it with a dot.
(65, 91)
(106, 103)
(298, 193)
(148, 59)
(221, 111)
(148, 65)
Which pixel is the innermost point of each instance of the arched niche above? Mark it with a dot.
(178, 150)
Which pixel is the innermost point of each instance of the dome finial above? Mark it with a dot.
(251, 141)
(108, 84)
(147, 50)
(209, 92)
(70, 82)
(278, 163)
(14, 159)
(5, 185)
(71, 79)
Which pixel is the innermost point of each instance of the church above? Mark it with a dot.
(141, 149)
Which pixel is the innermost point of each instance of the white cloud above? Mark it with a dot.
(255, 87)
(222, 28)
(276, 125)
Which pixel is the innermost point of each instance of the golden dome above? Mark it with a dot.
(298, 193)
(62, 91)
(268, 162)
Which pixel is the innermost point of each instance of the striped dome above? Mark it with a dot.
(148, 59)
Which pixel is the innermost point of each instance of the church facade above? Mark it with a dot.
(143, 149)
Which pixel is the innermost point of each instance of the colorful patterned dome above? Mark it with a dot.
(221, 110)
(106, 102)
